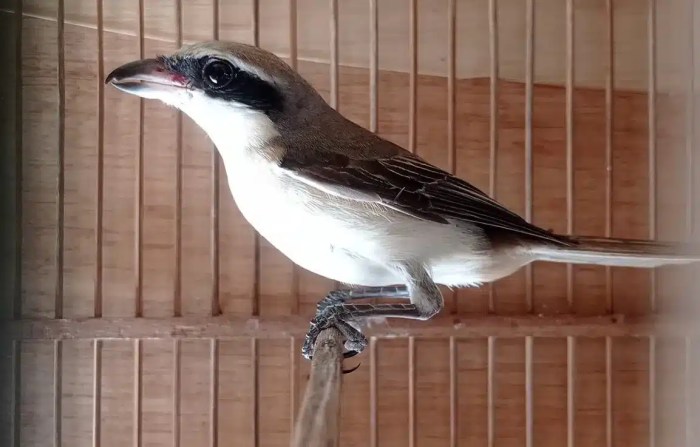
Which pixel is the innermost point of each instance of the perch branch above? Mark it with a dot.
(318, 422)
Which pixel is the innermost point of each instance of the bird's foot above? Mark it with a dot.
(332, 313)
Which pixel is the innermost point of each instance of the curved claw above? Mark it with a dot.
(348, 371)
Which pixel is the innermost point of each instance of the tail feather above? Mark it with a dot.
(619, 252)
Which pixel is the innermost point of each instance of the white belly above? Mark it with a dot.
(287, 214)
(335, 238)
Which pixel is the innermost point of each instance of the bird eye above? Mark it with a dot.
(218, 73)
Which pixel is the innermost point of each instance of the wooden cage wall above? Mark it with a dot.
(139, 308)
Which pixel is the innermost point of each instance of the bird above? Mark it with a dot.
(348, 205)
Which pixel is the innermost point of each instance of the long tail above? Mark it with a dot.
(619, 252)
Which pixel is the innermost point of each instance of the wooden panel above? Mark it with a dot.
(590, 392)
(672, 398)
(195, 396)
(273, 416)
(630, 387)
(121, 148)
(81, 142)
(39, 166)
(157, 393)
(36, 415)
(472, 395)
(77, 393)
(509, 383)
(432, 392)
(117, 394)
(10, 151)
(549, 391)
(392, 392)
(236, 393)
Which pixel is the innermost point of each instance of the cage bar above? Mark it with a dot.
(97, 392)
(216, 196)
(57, 392)
(255, 305)
(609, 437)
(652, 391)
(17, 298)
(490, 391)
(373, 414)
(177, 361)
(529, 167)
(373, 64)
(454, 416)
(97, 305)
(529, 414)
(139, 211)
(493, 117)
(60, 181)
(652, 124)
(138, 392)
(411, 391)
(413, 73)
(609, 128)
(334, 53)
(177, 294)
(570, 142)
(214, 392)
(570, 391)
(293, 46)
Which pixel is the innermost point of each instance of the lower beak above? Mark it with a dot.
(147, 78)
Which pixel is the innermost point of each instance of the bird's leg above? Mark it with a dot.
(338, 314)
(341, 296)
(335, 311)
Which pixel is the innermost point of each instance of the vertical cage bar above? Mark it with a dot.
(688, 410)
(374, 435)
(652, 391)
(177, 296)
(690, 125)
(453, 393)
(570, 141)
(451, 104)
(177, 357)
(493, 116)
(570, 391)
(451, 84)
(411, 391)
(529, 416)
(609, 88)
(138, 242)
(373, 65)
(652, 123)
(138, 392)
(214, 393)
(16, 393)
(293, 57)
(57, 392)
(97, 393)
(254, 353)
(334, 52)
(216, 197)
(609, 438)
(293, 47)
(97, 305)
(293, 384)
(255, 305)
(413, 75)
(529, 95)
(490, 391)
(60, 189)
(17, 298)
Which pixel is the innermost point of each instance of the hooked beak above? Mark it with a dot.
(147, 78)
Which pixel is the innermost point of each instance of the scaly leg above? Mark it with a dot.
(334, 311)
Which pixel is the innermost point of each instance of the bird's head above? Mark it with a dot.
(224, 87)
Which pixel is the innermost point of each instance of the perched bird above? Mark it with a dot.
(344, 203)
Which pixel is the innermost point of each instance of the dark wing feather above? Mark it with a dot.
(408, 184)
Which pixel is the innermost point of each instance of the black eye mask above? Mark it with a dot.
(219, 78)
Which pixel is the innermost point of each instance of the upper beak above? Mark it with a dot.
(147, 78)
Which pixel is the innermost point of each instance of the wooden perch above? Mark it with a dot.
(318, 422)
